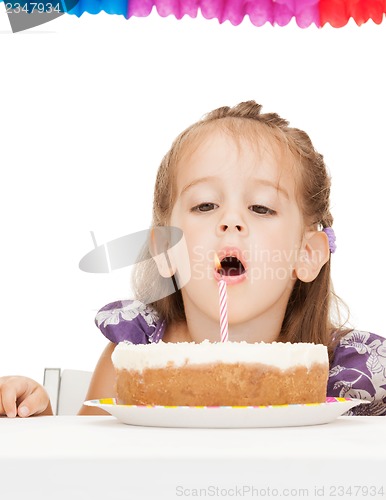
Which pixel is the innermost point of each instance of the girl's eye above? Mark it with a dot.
(262, 210)
(204, 207)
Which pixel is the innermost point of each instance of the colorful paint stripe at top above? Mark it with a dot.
(276, 12)
(337, 13)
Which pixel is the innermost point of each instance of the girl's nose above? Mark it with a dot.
(224, 227)
(232, 226)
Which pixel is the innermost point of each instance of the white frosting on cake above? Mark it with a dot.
(280, 355)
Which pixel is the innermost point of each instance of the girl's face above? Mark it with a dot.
(238, 201)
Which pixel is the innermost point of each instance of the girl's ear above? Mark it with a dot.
(314, 253)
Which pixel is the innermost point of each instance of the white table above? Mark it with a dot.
(98, 457)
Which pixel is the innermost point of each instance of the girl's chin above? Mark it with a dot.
(210, 338)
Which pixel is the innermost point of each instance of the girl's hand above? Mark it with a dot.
(23, 397)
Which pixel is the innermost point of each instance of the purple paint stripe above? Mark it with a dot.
(279, 12)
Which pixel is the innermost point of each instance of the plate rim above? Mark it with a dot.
(221, 417)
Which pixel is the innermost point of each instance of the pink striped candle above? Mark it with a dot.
(222, 290)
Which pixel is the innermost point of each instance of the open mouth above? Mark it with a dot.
(231, 266)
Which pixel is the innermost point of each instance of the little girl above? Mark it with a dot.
(247, 187)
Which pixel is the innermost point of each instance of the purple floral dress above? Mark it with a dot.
(358, 369)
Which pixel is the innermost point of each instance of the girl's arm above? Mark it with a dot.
(23, 397)
(102, 382)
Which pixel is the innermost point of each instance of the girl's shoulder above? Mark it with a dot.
(354, 338)
(358, 370)
(130, 320)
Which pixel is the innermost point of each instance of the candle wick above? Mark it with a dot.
(220, 270)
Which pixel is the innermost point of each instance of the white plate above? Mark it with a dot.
(227, 416)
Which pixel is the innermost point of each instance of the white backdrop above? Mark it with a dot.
(89, 106)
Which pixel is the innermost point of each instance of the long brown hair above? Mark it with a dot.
(309, 316)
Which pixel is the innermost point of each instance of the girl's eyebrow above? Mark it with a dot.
(209, 178)
(263, 182)
(266, 182)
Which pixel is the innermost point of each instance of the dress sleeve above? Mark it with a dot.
(358, 371)
(130, 320)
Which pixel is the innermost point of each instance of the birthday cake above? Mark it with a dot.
(220, 374)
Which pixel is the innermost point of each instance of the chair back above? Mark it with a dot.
(67, 389)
